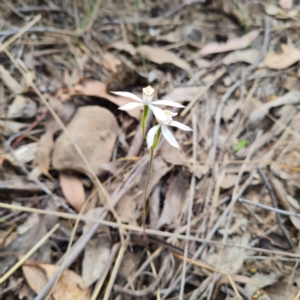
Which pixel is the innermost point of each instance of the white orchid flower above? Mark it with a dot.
(148, 94)
(162, 125)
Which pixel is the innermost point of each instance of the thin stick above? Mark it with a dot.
(148, 231)
(190, 206)
(297, 296)
(146, 188)
(29, 253)
(20, 32)
(277, 210)
(264, 48)
(115, 270)
(274, 202)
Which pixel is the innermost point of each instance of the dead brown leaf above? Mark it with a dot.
(43, 154)
(233, 44)
(278, 61)
(72, 189)
(161, 56)
(69, 285)
(111, 62)
(248, 56)
(35, 277)
(126, 209)
(97, 89)
(95, 130)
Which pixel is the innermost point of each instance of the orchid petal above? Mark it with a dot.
(158, 113)
(170, 113)
(168, 103)
(169, 137)
(151, 135)
(181, 126)
(130, 106)
(128, 95)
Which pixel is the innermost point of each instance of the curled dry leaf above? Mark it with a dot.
(25, 154)
(280, 13)
(161, 56)
(95, 130)
(111, 62)
(22, 107)
(10, 82)
(127, 47)
(72, 189)
(257, 115)
(261, 280)
(184, 33)
(43, 154)
(233, 44)
(68, 286)
(9, 127)
(248, 56)
(286, 58)
(97, 89)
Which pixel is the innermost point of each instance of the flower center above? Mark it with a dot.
(148, 94)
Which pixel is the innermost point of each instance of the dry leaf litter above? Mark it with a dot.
(223, 213)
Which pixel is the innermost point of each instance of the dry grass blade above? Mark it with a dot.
(105, 271)
(190, 205)
(28, 254)
(148, 231)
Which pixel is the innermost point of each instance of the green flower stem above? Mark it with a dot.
(148, 179)
(144, 118)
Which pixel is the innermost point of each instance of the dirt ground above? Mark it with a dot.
(222, 208)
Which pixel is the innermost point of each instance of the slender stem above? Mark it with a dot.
(144, 118)
(146, 187)
(148, 180)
